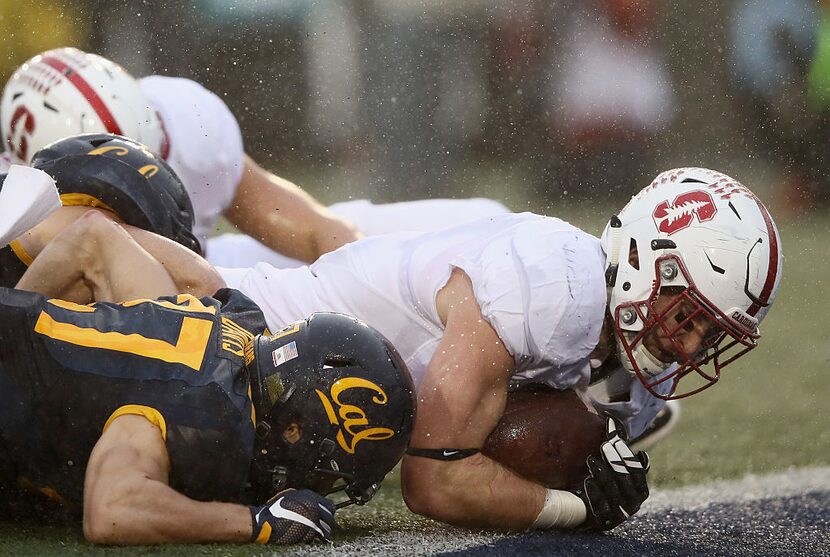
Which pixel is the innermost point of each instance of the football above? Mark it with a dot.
(545, 436)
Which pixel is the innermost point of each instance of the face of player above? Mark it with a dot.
(685, 328)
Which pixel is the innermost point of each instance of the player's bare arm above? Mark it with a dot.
(96, 259)
(38, 237)
(459, 403)
(190, 272)
(94, 249)
(284, 217)
(127, 499)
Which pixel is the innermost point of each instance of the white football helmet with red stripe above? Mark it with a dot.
(710, 238)
(66, 92)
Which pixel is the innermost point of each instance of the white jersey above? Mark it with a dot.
(539, 282)
(205, 145)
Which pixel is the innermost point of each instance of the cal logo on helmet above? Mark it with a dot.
(351, 419)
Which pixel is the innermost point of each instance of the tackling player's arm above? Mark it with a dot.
(460, 402)
(128, 500)
(284, 217)
(88, 256)
(96, 259)
(190, 272)
(35, 239)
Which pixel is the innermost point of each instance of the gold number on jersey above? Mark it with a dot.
(189, 348)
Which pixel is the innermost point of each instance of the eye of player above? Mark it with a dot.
(688, 322)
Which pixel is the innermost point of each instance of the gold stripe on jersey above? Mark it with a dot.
(184, 302)
(237, 340)
(21, 252)
(84, 200)
(253, 410)
(189, 349)
(72, 306)
(153, 415)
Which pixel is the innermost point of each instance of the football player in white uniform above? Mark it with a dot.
(673, 291)
(66, 92)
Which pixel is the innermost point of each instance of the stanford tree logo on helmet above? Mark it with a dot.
(676, 216)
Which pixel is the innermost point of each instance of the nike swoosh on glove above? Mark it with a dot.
(293, 516)
(616, 485)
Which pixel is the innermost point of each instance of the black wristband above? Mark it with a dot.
(442, 454)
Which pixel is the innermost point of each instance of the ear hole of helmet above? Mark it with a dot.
(634, 255)
(293, 433)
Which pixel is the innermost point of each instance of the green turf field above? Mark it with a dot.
(767, 413)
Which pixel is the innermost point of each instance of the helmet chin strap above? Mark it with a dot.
(615, 224)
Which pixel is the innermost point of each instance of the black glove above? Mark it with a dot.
(293, 516)
(616, 483)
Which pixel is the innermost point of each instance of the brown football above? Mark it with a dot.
(545, 436)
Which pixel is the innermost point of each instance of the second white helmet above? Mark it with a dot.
(65, 92)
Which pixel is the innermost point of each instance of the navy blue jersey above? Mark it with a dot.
(180, 361)
(13, 263)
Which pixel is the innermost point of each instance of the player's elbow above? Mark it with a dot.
(429, 489)
(99, 526)
(337, 233)
(87, 232)
(108, 519)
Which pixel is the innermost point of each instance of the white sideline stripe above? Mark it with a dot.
(752, 487)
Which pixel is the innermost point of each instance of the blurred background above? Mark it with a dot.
(562, 107)
(537, 103)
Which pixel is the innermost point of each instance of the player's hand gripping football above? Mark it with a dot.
(293, 516)
(616, 483)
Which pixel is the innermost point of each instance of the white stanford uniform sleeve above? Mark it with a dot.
(542, 289)
(205, 145)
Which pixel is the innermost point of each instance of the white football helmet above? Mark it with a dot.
(65, 92)
(708, 236)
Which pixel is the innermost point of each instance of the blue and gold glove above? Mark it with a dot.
(293, 516)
